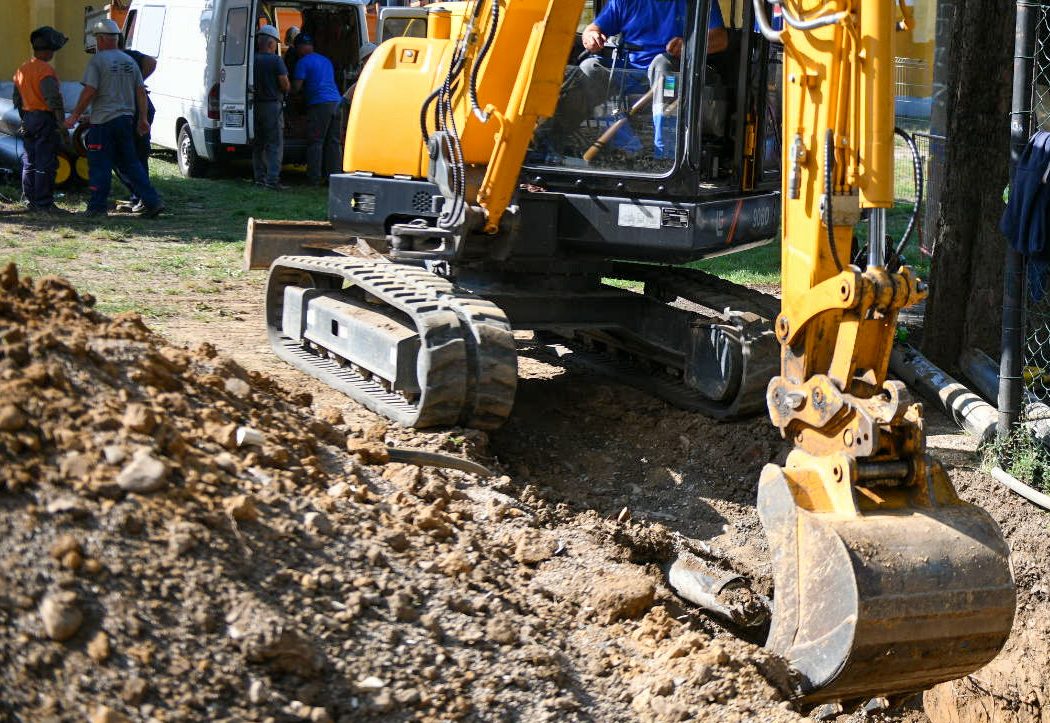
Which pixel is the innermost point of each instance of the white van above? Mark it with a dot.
(202, 87)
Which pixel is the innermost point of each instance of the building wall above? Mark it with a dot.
(21, 17)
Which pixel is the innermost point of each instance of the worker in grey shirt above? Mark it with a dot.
(271, 84)
(114, 89)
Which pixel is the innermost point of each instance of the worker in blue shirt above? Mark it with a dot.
(651, 37)
(314, 76)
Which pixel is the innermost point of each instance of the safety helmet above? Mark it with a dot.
(105, 27)
(304, 39)
(47, 38)
(270, 32)
(290, 34)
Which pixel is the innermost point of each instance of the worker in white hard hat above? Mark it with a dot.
(114, 89)
(271, 85)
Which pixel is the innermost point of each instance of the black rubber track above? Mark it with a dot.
(745, 317)
(467, 367)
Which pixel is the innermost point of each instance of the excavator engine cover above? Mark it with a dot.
(894, 601)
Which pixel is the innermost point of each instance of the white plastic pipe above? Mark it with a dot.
(976, 416)
(1029, 493)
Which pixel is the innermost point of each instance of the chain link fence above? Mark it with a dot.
(1024, 394)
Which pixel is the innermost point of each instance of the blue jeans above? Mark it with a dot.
(268, 144)
(112, 145)
(142, 149)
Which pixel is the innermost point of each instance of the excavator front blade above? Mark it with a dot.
(883, 603)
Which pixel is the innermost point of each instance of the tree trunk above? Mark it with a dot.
(965, 304)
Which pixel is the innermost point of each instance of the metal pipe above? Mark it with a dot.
(1011, 381)
(870, 471)
(691, 579)
(877, 237)
(773, 36)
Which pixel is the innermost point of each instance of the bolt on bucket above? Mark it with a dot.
(884, 602)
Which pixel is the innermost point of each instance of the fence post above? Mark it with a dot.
(1011, 379)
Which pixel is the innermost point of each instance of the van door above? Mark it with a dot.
(234, 80)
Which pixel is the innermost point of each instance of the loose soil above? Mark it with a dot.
(306, 579)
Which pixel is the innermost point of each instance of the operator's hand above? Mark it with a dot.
(593, 39)
(674, 48)
(71, 121)
(143, 126)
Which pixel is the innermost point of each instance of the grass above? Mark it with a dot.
(195, 249)
(1021, 455)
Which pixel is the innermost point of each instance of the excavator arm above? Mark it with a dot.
(886, 582)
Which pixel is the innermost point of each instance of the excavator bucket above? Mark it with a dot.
(884, 603)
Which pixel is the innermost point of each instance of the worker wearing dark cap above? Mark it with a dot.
(38, 98)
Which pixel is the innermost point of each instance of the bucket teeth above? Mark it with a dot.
(883, 603)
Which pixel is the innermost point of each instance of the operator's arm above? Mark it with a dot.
(609, 22)
(717, 40)
(16, 99)
(593, 38)
(143, 107)
(147, 66)
(52, 92)
(282, 76)
(717, 37)
(86, 96)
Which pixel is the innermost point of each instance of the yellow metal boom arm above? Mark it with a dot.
(886, 582)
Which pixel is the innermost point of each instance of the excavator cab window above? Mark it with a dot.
(620, 114)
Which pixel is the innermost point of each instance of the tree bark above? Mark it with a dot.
(965, 304)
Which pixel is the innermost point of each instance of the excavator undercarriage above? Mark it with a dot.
(476, 224)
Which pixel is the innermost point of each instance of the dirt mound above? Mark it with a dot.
(187, 540)
(1015, 687)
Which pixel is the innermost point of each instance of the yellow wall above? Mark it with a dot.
(21, 17)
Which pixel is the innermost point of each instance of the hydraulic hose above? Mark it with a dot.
(473, 87)
(916, 159)
(829, 192)
(773, 36)
(821, 22)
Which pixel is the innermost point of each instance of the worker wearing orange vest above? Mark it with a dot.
(38, 98)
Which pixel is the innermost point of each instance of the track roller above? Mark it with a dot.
(399, 339)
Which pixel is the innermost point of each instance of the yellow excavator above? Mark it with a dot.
(488, 197)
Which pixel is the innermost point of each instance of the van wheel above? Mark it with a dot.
(190, 164)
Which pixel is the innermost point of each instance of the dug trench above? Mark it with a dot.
(153, 567)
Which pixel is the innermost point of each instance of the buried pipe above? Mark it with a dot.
(974, 415)
(1029, 493)
(726, 595)
(983, 371)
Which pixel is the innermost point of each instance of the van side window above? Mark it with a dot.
(236, 36)
(149, 30)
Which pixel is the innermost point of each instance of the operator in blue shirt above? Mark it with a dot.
(315, 77)
(652, 36)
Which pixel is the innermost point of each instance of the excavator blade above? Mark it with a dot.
(884, 603)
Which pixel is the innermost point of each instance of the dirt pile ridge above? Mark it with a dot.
(162, 562)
